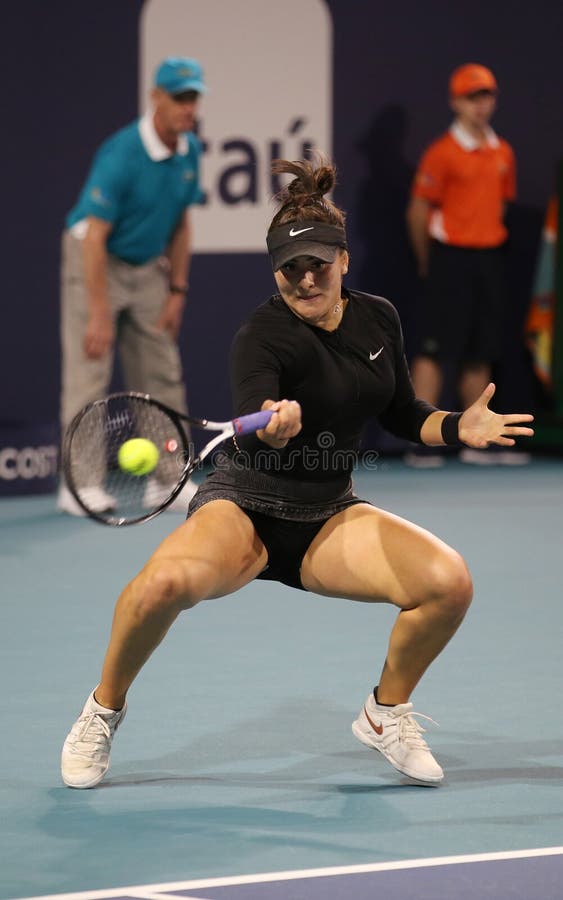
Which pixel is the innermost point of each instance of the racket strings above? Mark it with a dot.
(93, 470)
(88, 463)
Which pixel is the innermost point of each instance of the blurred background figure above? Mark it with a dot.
(125, 259)
(540, 320)
(455, 219)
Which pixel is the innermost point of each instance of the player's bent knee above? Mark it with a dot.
(452, 585)
(164, 586)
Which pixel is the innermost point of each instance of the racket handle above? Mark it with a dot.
(252, 422)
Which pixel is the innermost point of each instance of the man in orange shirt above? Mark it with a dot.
(456, 223)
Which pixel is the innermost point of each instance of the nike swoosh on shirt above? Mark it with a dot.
(373, 356)
(293, 233)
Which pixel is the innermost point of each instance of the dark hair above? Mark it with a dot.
(303, 198)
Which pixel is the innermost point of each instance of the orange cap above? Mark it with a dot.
(471, 78)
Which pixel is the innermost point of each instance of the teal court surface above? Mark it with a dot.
(236, 774)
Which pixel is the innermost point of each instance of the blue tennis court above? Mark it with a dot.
(236, 774)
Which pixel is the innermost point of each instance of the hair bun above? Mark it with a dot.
(313, 179)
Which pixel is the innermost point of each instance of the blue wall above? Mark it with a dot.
(70, 78)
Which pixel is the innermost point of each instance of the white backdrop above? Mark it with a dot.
(269, 72)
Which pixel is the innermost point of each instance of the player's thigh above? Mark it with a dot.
(365, 553)
(214, 552)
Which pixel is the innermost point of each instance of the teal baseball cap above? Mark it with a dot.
(177, 74)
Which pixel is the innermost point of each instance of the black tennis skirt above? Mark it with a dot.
(282, 498)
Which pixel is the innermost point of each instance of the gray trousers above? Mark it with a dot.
(150, 359)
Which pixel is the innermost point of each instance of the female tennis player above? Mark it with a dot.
(281, 505)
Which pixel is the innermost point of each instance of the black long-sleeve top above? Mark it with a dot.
(340, 378)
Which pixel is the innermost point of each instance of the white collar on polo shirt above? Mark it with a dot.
(466, 140)
(155, 148)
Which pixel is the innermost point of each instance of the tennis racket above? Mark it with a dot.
(93, 466)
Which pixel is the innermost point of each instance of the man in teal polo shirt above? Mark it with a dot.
(125, 259)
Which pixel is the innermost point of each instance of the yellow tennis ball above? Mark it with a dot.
(138, 456)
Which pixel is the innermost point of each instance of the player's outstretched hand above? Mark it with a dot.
(479, 426)
(284, 424)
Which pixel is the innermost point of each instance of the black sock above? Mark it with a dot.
(109, 709)
(390, 705)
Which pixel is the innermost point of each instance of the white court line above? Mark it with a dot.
(142, 895)
(166, 890)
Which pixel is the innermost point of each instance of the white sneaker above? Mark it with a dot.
(85, 757)
(394, 732)
(95, 497)
(156, 493)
